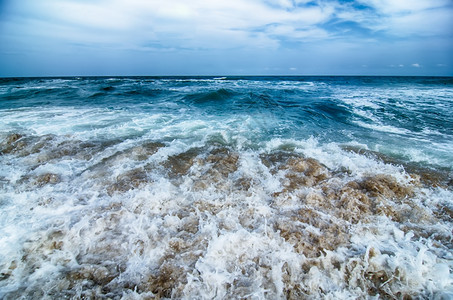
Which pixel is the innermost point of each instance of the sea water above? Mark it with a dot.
(231, 187)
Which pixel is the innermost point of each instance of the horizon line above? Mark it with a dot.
(210, 76)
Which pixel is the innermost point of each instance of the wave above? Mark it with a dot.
(209, 96)
(145, 217)
(240, 187)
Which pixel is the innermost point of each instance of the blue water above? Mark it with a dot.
(220, 187)
(409, 118)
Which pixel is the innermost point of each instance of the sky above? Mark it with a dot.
(225, 37)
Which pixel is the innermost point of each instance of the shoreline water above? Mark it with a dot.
(258, 189)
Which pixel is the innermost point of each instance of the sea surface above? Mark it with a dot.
(226, 188)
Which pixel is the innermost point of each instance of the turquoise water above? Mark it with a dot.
(228, 187)
(406, 118)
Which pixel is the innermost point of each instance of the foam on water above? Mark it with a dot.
(216, 222)
(143, 202)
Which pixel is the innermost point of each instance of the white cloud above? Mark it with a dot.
(290, 32)
(404, 6)
(410, 18)
(173, 23)
(222, 23)
(416, 65)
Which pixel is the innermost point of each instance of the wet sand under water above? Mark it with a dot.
(108, 220)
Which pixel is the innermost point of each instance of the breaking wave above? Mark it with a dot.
(221, 188)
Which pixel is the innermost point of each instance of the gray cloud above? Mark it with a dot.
(148, 28)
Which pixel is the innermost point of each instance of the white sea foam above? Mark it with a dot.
(383, 128)
(98, 202)
(237, 254)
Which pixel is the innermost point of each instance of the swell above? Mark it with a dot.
(214, 97)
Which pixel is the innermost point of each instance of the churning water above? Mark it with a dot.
(236, 187)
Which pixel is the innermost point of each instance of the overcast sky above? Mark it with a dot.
(226, 37)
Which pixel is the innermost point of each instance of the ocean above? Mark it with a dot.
(226, 188)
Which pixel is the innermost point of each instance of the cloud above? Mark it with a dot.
(226, 24)
(290, 32)
(416, 65)
(391, 7)
(339, 32)
(173, 23)
(403, 18)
